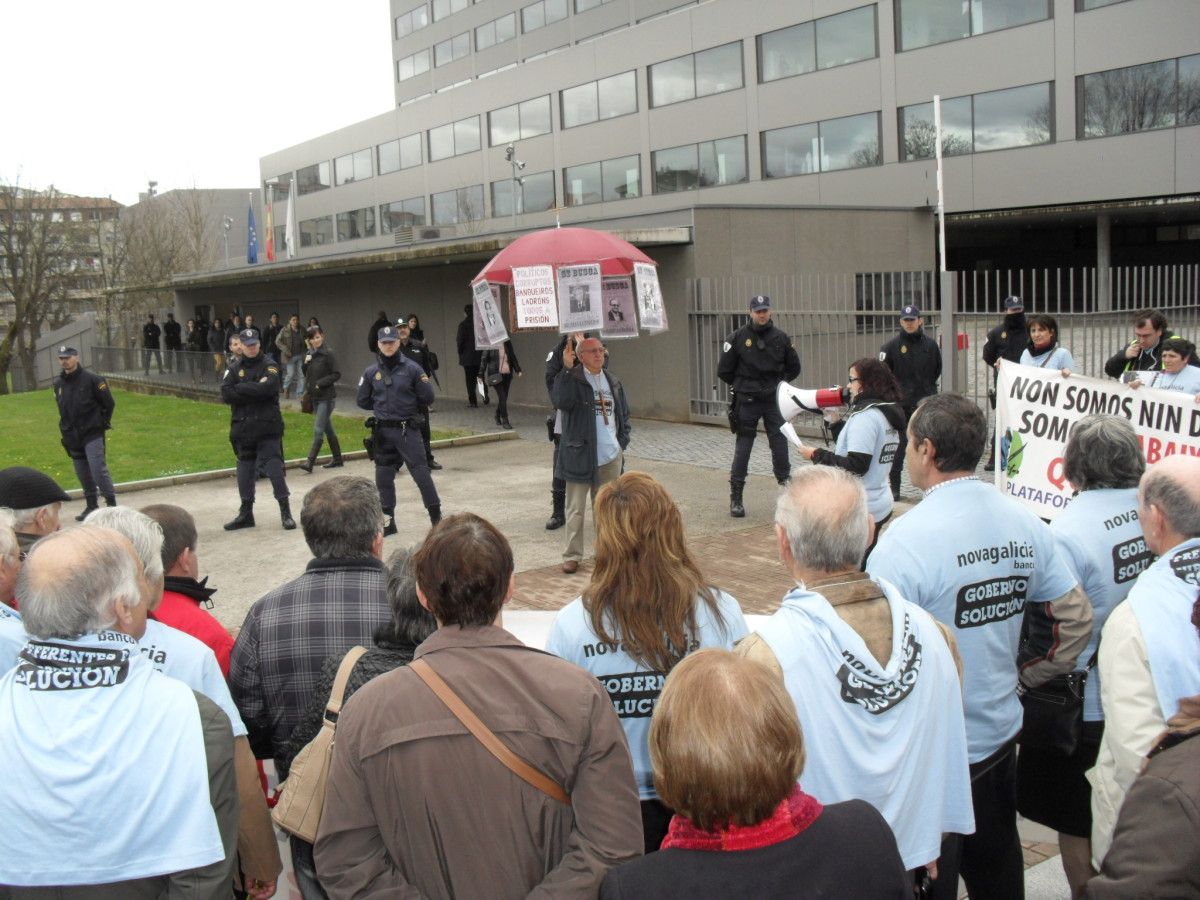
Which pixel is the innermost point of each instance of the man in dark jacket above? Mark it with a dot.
(150, 344)
(290, 343)
(1006, 341)
(754, 360)
(595, 433)
(381, 321)
(419, 353)
(1144, 352)
(173, 341)
(251, 387)
(85, 408)
(916, 361)
(269, 334)
(469, 356)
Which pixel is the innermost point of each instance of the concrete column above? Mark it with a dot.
(1103, 261)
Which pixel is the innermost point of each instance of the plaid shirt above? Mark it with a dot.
(288, 633)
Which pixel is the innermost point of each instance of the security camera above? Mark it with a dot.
(509, 151)
(521, 182)
(520, 165)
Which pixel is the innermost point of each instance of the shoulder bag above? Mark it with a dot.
(1053, 720)
(484, 735)
(302, 795)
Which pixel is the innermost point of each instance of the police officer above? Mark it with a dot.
(1007, 340)
(85, 408)
(251, 387)
(394, 389)
(756, 358)
(916, 361)
(418, 352)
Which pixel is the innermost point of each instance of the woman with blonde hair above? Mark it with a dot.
(727, 751)
(646, 607)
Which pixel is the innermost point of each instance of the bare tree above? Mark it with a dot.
(40, 251)
(919, 141)
(1130, 99)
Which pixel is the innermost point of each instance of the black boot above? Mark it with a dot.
(308, 464)
(335, 448)
(110, 499)
(390, 527)
(558, 516)
(736, 509)
(91, 507)
(245, 517)
(285, 515)
(435, 514)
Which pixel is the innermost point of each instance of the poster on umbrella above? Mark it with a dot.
(533, 296)
(620, 320)
(649, 295)
(579, 300)
(489, 326)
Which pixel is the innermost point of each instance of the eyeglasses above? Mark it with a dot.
(851, 381)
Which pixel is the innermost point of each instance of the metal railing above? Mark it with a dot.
(199, 370)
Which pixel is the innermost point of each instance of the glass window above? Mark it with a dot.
(443, 8)
(544, 12)
(584, 5)
(449, 50)
(700, 165)
(789, 51)
(617, 95)
(411, 66)
(315, 232)
(535, 116)
(413, 20)
(521, 120)
(581, 184)
(401, 214)
(457, 206)
(312, 178)
(388, 157)
(924, 22)
(579, 105)
(283, 186)
(504, 125)
(1189, 90)
(466, 135)
(1082, 5)
(676, 169)
(851, 142)
(719, 69)
(410, 151)
(992, 15)
(1017, 117)
(358, 223)
(535, 194)
(496, 32)
(916, 126)
(790, 151)
(1135, 98)
(352, 167)
(441, 142)
(846, 38)
(621, 178)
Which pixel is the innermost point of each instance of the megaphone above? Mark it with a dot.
(792, 401)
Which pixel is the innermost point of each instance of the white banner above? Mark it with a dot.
(1036, 409)
(620, 320)
(579, 307)
(650, 302)
(489, 326)
(533, 295)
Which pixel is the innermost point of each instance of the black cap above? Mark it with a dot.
(1013, 302)
(248, 336)
(388, 334)
(67, 350)
(759, 303)
(24, 488)
(910, 312)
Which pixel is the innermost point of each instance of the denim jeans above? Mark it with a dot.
(322, 421)
(293, 372)
(306, 870)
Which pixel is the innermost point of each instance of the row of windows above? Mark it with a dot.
(1139, 98)
(995, 120)
(534, 16)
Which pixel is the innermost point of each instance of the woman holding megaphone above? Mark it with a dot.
(868, 436)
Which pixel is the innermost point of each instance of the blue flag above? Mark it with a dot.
(251, 238)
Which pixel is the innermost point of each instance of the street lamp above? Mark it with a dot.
(226, 224)
(510, 154)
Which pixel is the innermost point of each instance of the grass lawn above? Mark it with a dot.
(151, 436)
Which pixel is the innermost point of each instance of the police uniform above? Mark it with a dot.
(394, 389)
(755, 359)
(251, 387)
(418, 352)
(85, 408)
(916, 361)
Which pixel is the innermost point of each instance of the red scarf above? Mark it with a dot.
(791, 816)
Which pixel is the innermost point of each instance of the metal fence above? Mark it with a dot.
(836, 318)
(179, 368)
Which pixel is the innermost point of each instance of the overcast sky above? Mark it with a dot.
(101, 97)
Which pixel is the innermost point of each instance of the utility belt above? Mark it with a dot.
(414, 422)
(373, 425)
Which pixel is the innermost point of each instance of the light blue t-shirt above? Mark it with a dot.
(973, 558)
(1187, 380)
(868, 431)
(1054, 359)
(1101, 540)
(607, 446)
(1162, 602)
(632, 687)
(187, 659)
(12, 637)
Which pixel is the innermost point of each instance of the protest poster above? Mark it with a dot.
(620, 320)
(533, 293)
(579, 307)
(1037, 408)
(489, 326)
(650, 302)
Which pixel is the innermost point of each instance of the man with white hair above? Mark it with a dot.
(187, 659)
(872, 675)
(1149, 650)
(36, 501)
(12, 632)
(125, 787)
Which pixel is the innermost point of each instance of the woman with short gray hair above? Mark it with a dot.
(1101, 538)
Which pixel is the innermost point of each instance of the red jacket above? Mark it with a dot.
(180, 608)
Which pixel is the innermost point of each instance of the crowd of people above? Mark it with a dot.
(865, 739)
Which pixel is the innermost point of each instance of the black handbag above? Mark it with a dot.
(1053, 719)
(495, 378)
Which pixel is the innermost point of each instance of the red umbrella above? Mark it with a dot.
(563, 247)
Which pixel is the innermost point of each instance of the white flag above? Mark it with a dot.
(289, 228)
